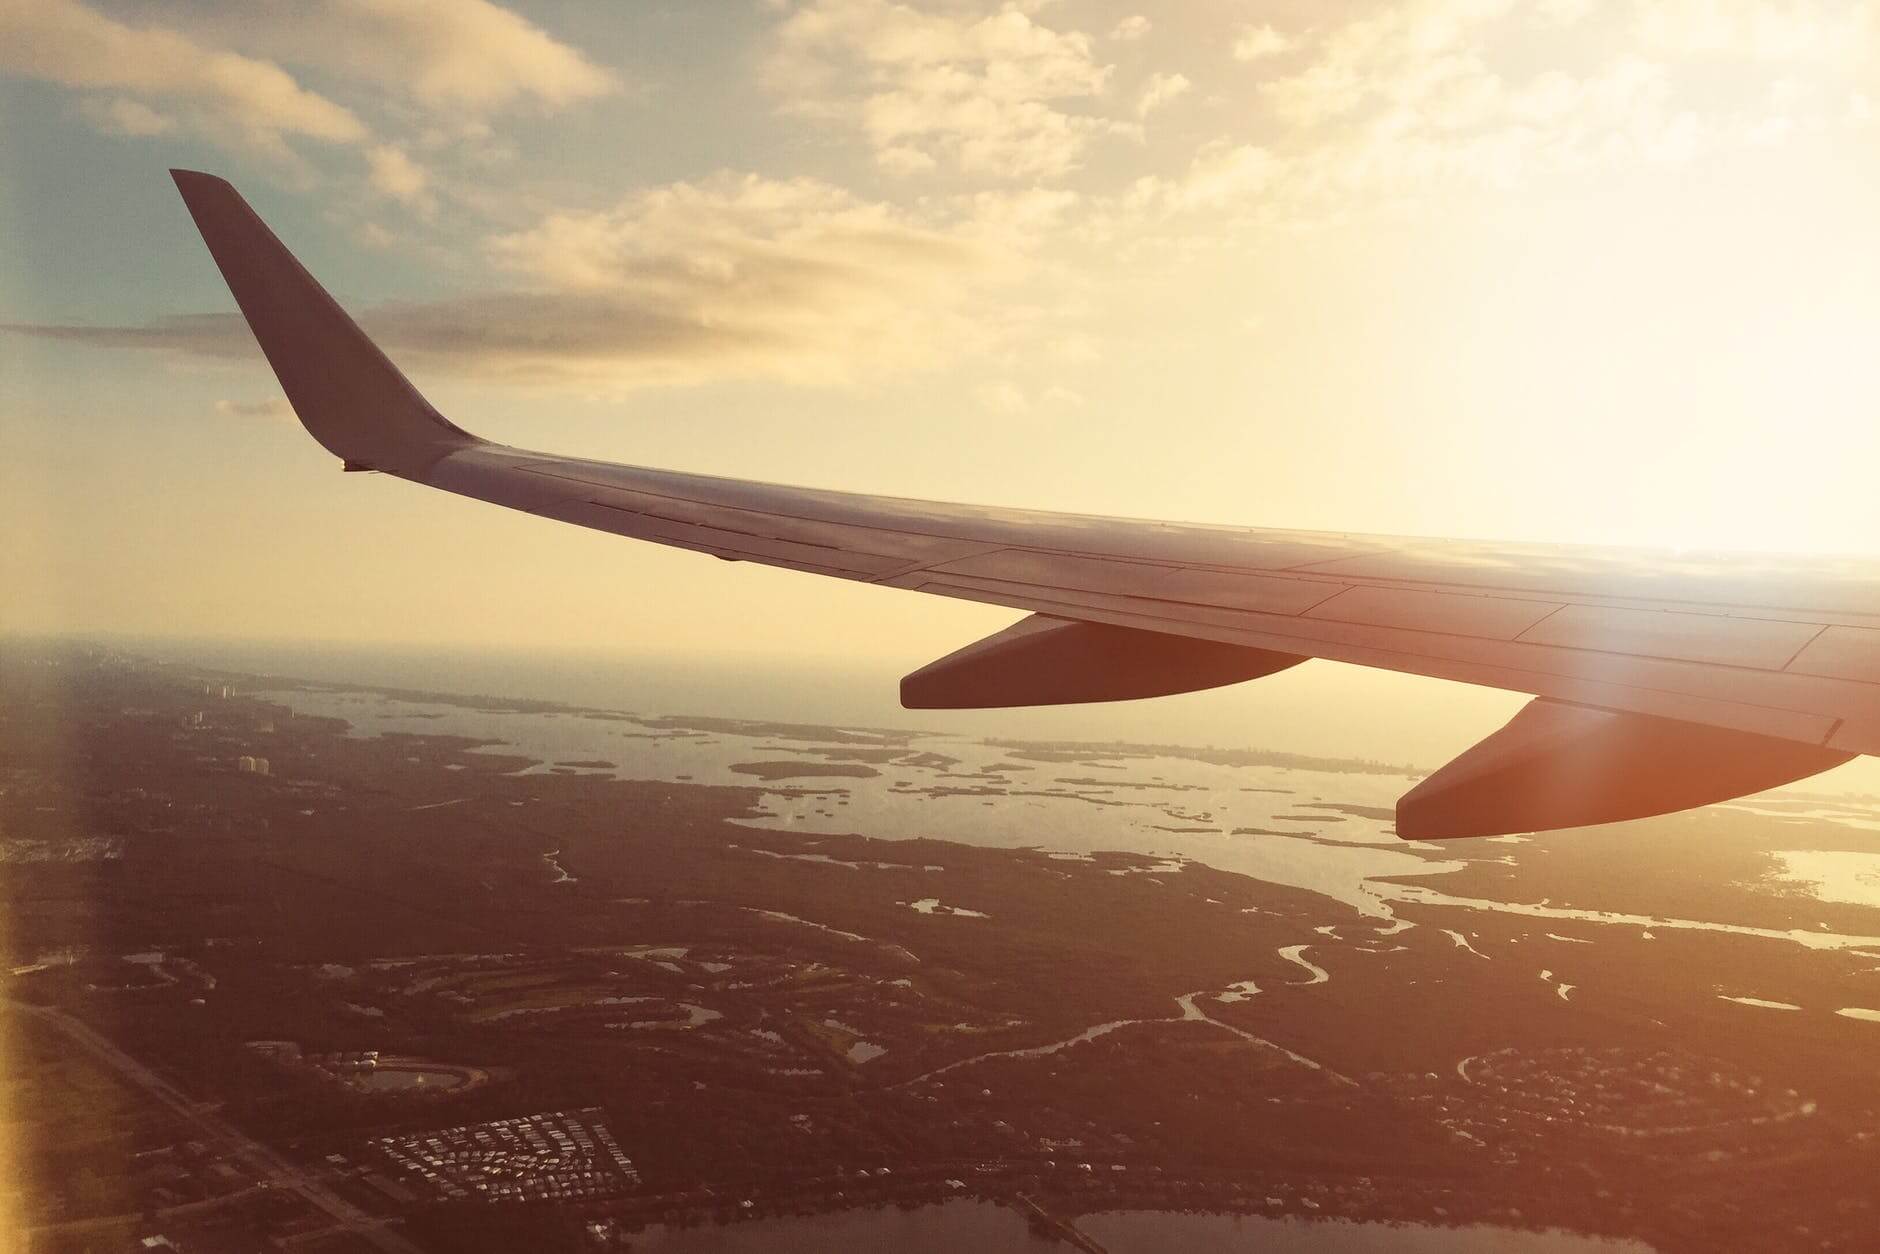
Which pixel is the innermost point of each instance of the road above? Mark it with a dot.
(1060, 1228)
(265, 1164)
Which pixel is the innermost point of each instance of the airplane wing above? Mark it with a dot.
(1662, 680)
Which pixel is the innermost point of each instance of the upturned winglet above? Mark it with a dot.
(347, 394)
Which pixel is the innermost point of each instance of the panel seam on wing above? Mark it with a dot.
(1796, 656)
(922, 565)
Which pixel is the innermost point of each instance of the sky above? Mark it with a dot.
(1570, 270)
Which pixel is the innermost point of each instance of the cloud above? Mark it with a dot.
(228, 74)
(1406, 54)
(1256, 43)
(903, 160)
(784, 276)
(735, 276)
(589, 339)
(240, 99)
(374, 236)
(1159, 90)
(986, 92)
(1379, 105)
(1413, 101)
(271, 407)
(1131, 29)
(396, 175)
(1785, 30)
(1565, 12)
(1009, 400)
(1407, 100)
(1222, 175)
(448, 55)
(123, 116)
(1002, 397)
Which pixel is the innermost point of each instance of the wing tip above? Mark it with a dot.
(188, 181)
(347, 394)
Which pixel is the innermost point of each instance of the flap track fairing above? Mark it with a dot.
(1054, 661)
(1557, 765)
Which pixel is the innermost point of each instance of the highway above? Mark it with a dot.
(264, 1163)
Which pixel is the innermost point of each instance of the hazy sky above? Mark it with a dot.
(1578, 270)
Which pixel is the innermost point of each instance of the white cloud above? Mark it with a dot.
(392, 173)
(902, 159)
(224, 73)
(1002, 397)
(1566, 12)
(1223, 175)
(448, 55)
(1159, 90)
(374, 236)
(1255, 43)
(733, 276)
(1768, 30)
(1131, 28)
(988, 92)
(1008, 399)
(1378, 105)
(270, 407)
(237, 98)
(1404, 100)
(124, 116)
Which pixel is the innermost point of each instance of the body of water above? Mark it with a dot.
(1151, 1232)
(986, 1228)
(1327, 832)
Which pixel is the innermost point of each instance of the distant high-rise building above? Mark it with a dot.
(251, 766)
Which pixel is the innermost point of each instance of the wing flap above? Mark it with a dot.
(1680, 635)
(1417, 609)
(1842, 653)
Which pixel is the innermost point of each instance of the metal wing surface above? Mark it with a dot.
(1779, 655)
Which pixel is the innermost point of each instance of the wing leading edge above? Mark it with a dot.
(1730, 674)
